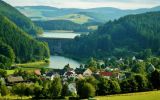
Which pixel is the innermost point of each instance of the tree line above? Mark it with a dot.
(131, 35)
(61, 25)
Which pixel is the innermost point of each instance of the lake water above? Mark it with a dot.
(58, 62)
(69, 35)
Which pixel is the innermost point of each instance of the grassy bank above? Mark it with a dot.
(38, 64)
(153, 95)
(29, 66)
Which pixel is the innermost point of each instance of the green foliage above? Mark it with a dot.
(126, 37)
(92, 80)
(103, 87)
(24, 46)
(142, 82)
(129, 85)
(139, 67)
(55, 88)
(106, 86)
(4, 90)
(114, 87)
(19, 19)
(23, 89)
(43, 70)
(155, 79)
(92, 64)
(37, 90)
(7, 56)
(3, 73)
(61, 25)
(88, 90)
(65, 90)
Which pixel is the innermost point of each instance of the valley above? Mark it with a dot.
(97, 52)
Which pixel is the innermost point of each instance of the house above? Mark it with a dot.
(87, 73)
(108, 69)
(106, 74)
(79, 70)
(133, 58)
(37, 72)
(151, 68)
(51, 75)
(14, 79)
(80, 76)
(109, 75)
(70, 74)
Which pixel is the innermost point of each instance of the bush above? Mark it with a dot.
(88, 90)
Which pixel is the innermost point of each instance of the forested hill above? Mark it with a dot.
(128, 36)
(24, 47)
(61, 25)
(19, 19)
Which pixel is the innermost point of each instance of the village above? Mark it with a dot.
(70, 76)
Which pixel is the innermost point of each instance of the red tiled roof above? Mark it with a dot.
(106, 73)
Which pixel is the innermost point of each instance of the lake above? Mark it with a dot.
(70, 35)
(58, 62)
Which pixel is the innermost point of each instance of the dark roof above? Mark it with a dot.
(69, 73)
(50, 74)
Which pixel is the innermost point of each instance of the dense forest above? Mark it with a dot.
(132, 35)
(61, 25)
(24, 46)
(19, 19)
(7, 55)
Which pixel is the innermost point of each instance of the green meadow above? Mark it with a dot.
(153, 95)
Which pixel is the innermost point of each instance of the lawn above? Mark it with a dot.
(154, 95)
(9, 72)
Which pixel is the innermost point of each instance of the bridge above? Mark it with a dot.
(55, 44)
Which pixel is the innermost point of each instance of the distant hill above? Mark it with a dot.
(132, 35)
(96, 14)
(76, 18)
(18, 18)
(61, 25)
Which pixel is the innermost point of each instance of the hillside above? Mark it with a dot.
(19, 19)
(76, 18)
(25, 48)
(102, 14)
(61, 25)
(129, 36)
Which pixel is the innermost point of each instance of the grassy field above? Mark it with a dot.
(14, 98)
(32, 64)
(153, 95)
(28, 66)
(77, 18)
